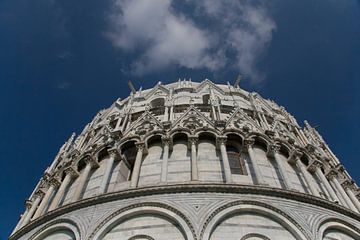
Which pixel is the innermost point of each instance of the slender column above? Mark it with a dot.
(248, 145)
(70, 173)
(90, 163)
(166, 113)
(171, 113)
(107, 174)
(332, 174)
(194, 168)
(274, 151)
(124, 122)
(314, 166)
(294, 158)
(118, 123)
(221, 142)
(136, 170)
(349, 187)
(23, 216)
(37, 198)
(53, 184)
(164, 166)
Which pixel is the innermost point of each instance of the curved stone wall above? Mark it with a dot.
(202, 140)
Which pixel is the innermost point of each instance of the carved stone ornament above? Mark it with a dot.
(140, 146)
(249, 142)
(192, 140)
(192, 122)
(54, 182)
(294, 156)
(166, 140)
(145, 127)
(39, 193)
(273, 149)
(113, 152)
(28, 204)
(331, 173)
(90, 160)
(349, 184)
(221, 140)
(72, 172)
(314, 164)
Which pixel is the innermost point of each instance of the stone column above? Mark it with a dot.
(248, 143)
(332, 175)
(349, 187)
(194, 168)
(23, 216)
(113, 155)
(294, 158)
(118, 122)
(70, 173)
(37, 198)
(123, 126)
(53, 184)
(274, 152)
(314, 166)
(164, 166)
(90, 163)
(221, 143)
(171, 112)
(136, 170)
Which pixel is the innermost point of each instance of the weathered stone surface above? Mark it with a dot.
(157, 167)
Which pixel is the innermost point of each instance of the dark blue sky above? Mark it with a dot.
(63, 61)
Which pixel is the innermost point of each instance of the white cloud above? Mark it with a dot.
(165, 36)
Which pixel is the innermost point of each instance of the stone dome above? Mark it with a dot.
(192, 160)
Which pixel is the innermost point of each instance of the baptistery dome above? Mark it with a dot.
(192, 160)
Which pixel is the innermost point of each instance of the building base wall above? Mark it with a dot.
(198, 212)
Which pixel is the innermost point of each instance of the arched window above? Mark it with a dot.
(158, 106)
(206, 99)
(236, 161)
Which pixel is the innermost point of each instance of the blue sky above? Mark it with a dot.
(63, 61)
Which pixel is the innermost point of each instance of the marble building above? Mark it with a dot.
(192, 160)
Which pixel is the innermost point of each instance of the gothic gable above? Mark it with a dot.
(240, 120)
(158, 90)
(145, 124)
(193, 119)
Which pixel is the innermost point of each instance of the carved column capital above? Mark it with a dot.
(28, 204)
(310, 148)
(91, 160)
(294, 156)
(349, 184)
(166, 140)
(55, 182)
(221, 140)
(113, 152)
(72, 172)
(39, 193)
(314, 164)
(273, 149)
(331, 173)
(140, 146)
(193, 139)
(248, 142)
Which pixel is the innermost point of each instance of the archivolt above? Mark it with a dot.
(150, 207)
(141, 237)
(247, 236)
(59, 224)
(253, 206)
(337, 224)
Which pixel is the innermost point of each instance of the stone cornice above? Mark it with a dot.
(188, 188)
